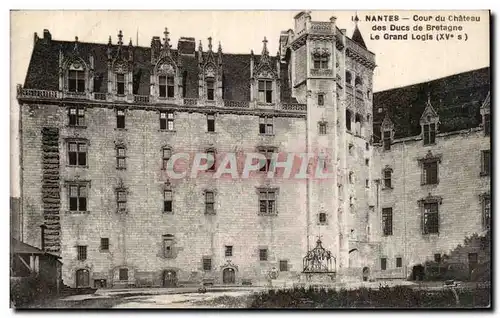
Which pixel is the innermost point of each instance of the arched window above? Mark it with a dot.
(348, 78)
(358, 82)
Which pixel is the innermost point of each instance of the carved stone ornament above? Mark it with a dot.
(76, 65)
(166, 69)
(321, 52)
(120, 67)
(209, 71)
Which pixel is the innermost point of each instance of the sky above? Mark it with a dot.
(399, 63)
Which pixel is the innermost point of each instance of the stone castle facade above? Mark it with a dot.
(98, 124)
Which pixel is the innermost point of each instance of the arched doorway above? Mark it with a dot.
(82, 278)
(228, 276)
(366, 274)
(418, 272)
(169, 278)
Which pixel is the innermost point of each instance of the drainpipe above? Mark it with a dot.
(403, 156)
(43, 227)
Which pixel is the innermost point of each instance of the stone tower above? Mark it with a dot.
(333, 75)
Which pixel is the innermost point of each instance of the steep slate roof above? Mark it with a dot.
(456, 99)
(357, 37)
(44, 67)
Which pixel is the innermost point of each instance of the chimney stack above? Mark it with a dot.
(47, 37)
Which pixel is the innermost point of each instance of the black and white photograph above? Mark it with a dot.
(279, 159)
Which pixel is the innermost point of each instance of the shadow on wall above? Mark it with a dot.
(468, 262)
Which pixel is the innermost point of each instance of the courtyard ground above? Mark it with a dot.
(189, 297)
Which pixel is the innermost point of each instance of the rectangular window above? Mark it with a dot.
(167, 201)
(367, 162)
(367, 183)
(387, 221)
(167, 153)
(383, 264)
(78, 198)
(283, 266)
(437, 258)
(431, 172)
(121, 200)
(81, 252)
(120, 158)
(123, 274)
(387, 179)
(321, 99)
(210, 122)
(487, 124)
(162, 82)
(267, 202)
(120, 84)
(367, 146)
(120, 119)
(486, 162)
(168, 246)
(265, 91)
(207, 264)
(209, 202)
(322, 128)
(268, 153)
(263, 254)
(76, 81)
(170, 86)
(321, 62)
(266, 126)
(486, 212)
(399, 262)
(104, 244)
(431, 218)
(211, 160)
(167, 121)
(77, 153)
(229, 250)
(322, 217)
(210, 90)
(387, 140)
(76, 116)
(429, 134)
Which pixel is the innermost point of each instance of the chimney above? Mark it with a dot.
(343, 31)
(186, 46)
(47, 37)
(43, 227)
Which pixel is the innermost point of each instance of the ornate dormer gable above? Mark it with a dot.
(120, 69)
(210, 73)
(165, 77)
(429, 122)
(265, 84)
(387, 131)
(76, 72)
(485, 114)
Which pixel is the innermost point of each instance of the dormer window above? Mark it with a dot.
(487, 124)
(166, 85)
(266, 91)
(387, 140)
(76, 81)
(429, 134)
(210, 90)
(120, 84)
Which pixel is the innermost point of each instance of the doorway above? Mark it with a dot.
(169, 278)
(472, 263)
(366, 274)
(418, 272)
(228, 276)
(82, 278)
